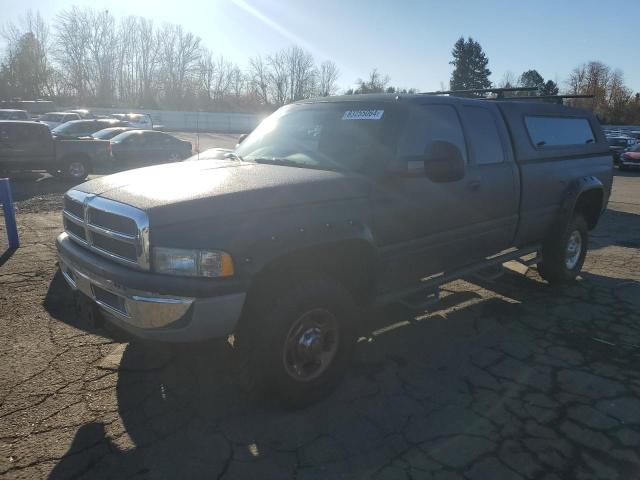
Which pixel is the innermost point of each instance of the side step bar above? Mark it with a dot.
(430, 285)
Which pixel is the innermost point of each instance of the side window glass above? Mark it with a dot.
(427, 124)
(559, 131)
(482, 132)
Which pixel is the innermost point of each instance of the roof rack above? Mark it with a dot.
(498, 91)
(559, 98)
(501, 91)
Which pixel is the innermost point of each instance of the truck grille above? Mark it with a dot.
(111, 229)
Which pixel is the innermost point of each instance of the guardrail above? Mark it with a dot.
(9, 213)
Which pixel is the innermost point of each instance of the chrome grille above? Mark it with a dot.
(111, 229)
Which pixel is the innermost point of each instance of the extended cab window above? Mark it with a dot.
(559, 131)
(486, 145)
(427, 124)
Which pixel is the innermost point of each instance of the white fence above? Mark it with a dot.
(195, 121)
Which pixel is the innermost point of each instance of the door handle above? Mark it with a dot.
(474, 185)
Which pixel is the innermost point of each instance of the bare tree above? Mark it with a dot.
(206, 71)
(179, 56)
(328, 78)
(259, 78)
(301, 73)
(376, 83)
(278, 78)
(71, 38)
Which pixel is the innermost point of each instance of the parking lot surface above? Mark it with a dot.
(503, 379)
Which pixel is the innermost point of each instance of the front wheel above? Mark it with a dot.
(300, 348)
(563, 254)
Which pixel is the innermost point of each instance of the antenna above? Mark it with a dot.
(198, 133)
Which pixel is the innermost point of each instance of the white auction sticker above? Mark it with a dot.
(362, 115)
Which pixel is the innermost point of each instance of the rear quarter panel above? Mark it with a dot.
(549, 175)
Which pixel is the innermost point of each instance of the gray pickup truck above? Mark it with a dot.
(31, 146)
(327, 208)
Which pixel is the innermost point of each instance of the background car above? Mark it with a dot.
(136, 120)
(85, 128)
(54, 119)
(11, 114)
(146, 147)
(619, 144)
(83, 112)
(109, 133)
(630, 158)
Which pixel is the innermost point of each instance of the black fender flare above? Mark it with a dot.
(575, 189)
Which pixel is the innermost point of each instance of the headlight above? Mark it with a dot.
(192, 263)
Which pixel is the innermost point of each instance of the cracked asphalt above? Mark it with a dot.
(504, 379)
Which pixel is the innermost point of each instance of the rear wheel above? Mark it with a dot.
(563, 254)
(300, 348)
(76, 170)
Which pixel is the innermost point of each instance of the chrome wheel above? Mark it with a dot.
(311, 345)
(77, 170)
(574, 249)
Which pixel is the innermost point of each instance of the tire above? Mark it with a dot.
(563, 254)
(279, 344)
(75, 169)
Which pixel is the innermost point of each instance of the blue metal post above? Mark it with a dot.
(9, 213)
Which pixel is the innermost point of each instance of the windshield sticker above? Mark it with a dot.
(362, 115)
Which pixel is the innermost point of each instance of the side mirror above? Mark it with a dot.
(242, 137)
(443, 162)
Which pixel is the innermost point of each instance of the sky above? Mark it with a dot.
(409, 40)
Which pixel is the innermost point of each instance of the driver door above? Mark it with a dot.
(424, 226)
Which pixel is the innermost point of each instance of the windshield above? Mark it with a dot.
(7, 115)
(332, 136)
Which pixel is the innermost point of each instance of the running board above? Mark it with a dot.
(432, 283)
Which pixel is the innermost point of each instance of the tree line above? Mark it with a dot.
(91, 58)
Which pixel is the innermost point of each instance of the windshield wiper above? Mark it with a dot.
(234, 156)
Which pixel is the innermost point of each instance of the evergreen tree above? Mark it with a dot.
(549, 88)
(531, 79)
(470, 66)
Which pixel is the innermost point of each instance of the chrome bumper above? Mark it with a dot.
(153, 316)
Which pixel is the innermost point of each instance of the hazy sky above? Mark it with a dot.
(411, 40)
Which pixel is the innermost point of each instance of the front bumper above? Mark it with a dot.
(150, 315)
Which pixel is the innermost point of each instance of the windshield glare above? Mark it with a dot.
(342, 136)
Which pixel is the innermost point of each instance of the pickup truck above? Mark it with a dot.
(328, 208)
(31, 146)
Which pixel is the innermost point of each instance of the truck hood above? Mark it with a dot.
(194, 190)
